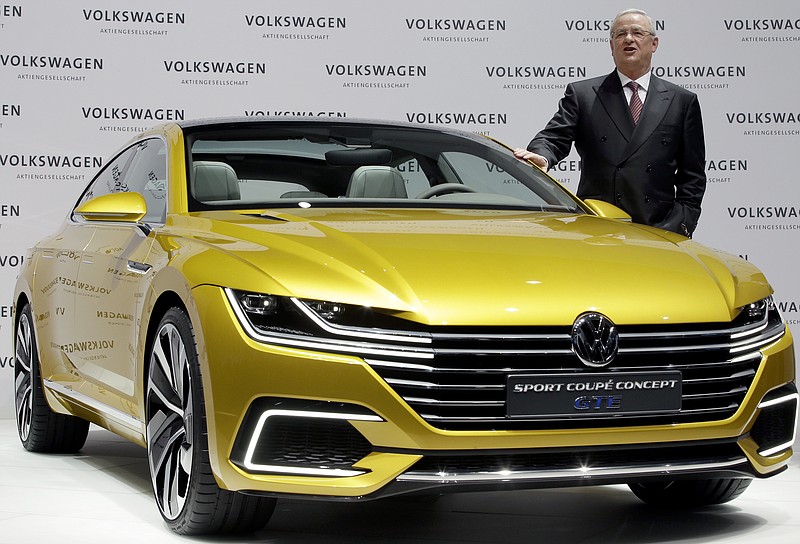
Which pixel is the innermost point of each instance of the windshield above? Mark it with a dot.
(269, 165)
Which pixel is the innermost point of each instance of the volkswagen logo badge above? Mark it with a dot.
(595, 339)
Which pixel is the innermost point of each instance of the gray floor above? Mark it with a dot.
(103, 495)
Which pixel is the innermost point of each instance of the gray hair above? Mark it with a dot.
(639, 12)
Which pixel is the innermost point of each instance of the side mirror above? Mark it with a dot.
(120, 207)
(602, 208)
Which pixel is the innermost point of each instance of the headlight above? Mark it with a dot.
(757, 325)
(271, 314)
(760, 312)
(330, 311)
(254, 303)
(327, 326)
(303, 316)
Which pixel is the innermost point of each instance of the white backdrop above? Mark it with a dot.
(79, 78)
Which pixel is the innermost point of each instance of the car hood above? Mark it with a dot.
(462, 267)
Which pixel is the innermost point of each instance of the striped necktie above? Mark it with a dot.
(636, 102)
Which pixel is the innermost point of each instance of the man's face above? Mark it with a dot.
(633, 45)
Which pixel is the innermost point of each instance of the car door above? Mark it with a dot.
(112, 279)
(56, 263)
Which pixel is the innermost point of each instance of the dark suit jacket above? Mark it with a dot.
(654, 170)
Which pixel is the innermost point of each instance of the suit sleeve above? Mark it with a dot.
(554, 142)
(690, 178)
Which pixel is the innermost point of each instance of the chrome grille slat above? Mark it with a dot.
(503, 352)
(723, 332)
(719, 409)
(745, 374)
(428, 385)
(495, 337)
(671, 349)
(736, 391)
(424, 401)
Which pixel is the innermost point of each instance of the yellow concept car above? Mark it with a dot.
(356, 309)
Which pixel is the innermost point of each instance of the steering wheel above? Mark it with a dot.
(445, 188)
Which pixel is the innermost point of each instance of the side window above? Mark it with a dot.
(147, 175)
(111, 178)
(141, 168)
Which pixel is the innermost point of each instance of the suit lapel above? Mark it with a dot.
(612, 98)
(655, 108)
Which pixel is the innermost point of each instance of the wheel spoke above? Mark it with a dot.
(166, 462)
(23, 351)
(24, 412)
(186, 458)
(162, 430)
(22, 385)
(162, 381)
(175, 348)
(23, 390)
(184, 389)
(163, 359)
(161, 392)
(167, 485)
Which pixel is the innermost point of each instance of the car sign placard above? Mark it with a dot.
(593, 394)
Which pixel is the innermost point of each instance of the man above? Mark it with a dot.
(653, 167)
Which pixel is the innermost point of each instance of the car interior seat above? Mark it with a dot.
(213, 180)
(376, 182)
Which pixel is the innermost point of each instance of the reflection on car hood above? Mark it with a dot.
(464, 267)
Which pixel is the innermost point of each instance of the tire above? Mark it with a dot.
(690, 493)
(187, 494)
(40, 429)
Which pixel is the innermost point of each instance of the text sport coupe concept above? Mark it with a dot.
(350, 310)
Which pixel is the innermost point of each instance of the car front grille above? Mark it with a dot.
(463, 386)
(456, 377)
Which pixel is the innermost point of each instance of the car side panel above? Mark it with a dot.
(53, 294)
(106, 312)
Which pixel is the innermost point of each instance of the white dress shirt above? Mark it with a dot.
(644, 84)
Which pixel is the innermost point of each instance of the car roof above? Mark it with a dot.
(231, 122)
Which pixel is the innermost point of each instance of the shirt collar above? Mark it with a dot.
(644, 81)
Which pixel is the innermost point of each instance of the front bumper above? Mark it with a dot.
(244, 379)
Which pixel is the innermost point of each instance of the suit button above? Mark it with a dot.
(649, 168)
(646, 198)
(603, 138)
(619, 197)
(664, 142)
(619, 168)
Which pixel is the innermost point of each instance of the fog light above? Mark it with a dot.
(307, 446)
(774, 429)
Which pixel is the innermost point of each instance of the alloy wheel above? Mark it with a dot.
(170, 421)
(23, 379)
